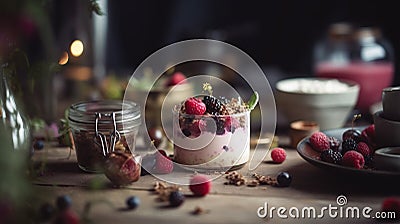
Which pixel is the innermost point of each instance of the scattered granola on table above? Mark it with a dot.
(235, 178)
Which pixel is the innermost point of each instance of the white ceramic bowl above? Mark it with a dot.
(328, 102)
(388, 158)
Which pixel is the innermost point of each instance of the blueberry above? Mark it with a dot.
(133, 202)
(63, 202)
(284, 179)
(38, 145)
(176, 198)
(46, 211)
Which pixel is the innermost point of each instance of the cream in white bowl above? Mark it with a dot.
(328, 102)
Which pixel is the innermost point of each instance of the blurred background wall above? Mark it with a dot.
(277, 34)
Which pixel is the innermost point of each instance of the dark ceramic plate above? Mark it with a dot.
(312, 156)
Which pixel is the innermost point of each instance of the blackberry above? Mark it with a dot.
(348, 144)
(186, 132)
(331, 156)
(334, 143)
(220, 126)
(214, 106)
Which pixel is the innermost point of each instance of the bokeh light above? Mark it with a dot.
(76, 48)
(63, 59)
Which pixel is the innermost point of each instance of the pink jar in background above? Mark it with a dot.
(358, 54)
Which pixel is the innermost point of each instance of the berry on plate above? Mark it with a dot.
(278, 155)
(334, 143)
(364, 149)
(200, 185)
(368, 134)
(195, 106)
(352, 134)
(348, 145)
(331, 156)
(353, 159)
(319, 141)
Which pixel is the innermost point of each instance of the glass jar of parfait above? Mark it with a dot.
(100, 128)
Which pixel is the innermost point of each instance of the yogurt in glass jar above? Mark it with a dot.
(216, 139)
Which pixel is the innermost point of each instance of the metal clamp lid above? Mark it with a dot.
(115, 136)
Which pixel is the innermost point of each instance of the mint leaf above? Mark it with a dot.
(252, 103)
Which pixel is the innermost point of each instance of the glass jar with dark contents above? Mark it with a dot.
(101, 127)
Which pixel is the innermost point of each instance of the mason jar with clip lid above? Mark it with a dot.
(359, 54)
(102, 127)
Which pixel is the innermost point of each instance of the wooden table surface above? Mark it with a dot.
(311, 187)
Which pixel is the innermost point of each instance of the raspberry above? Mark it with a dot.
(163, 165)
(392, 204)
(278, 155)
(319, 141)
(176, 78)
(195, 106)
(200, 185)
(363, 148)
(67, 217)
(368, 134)
(331, 156)
(231, 124)
(353, 159)
(348, 145)
(148, 163)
